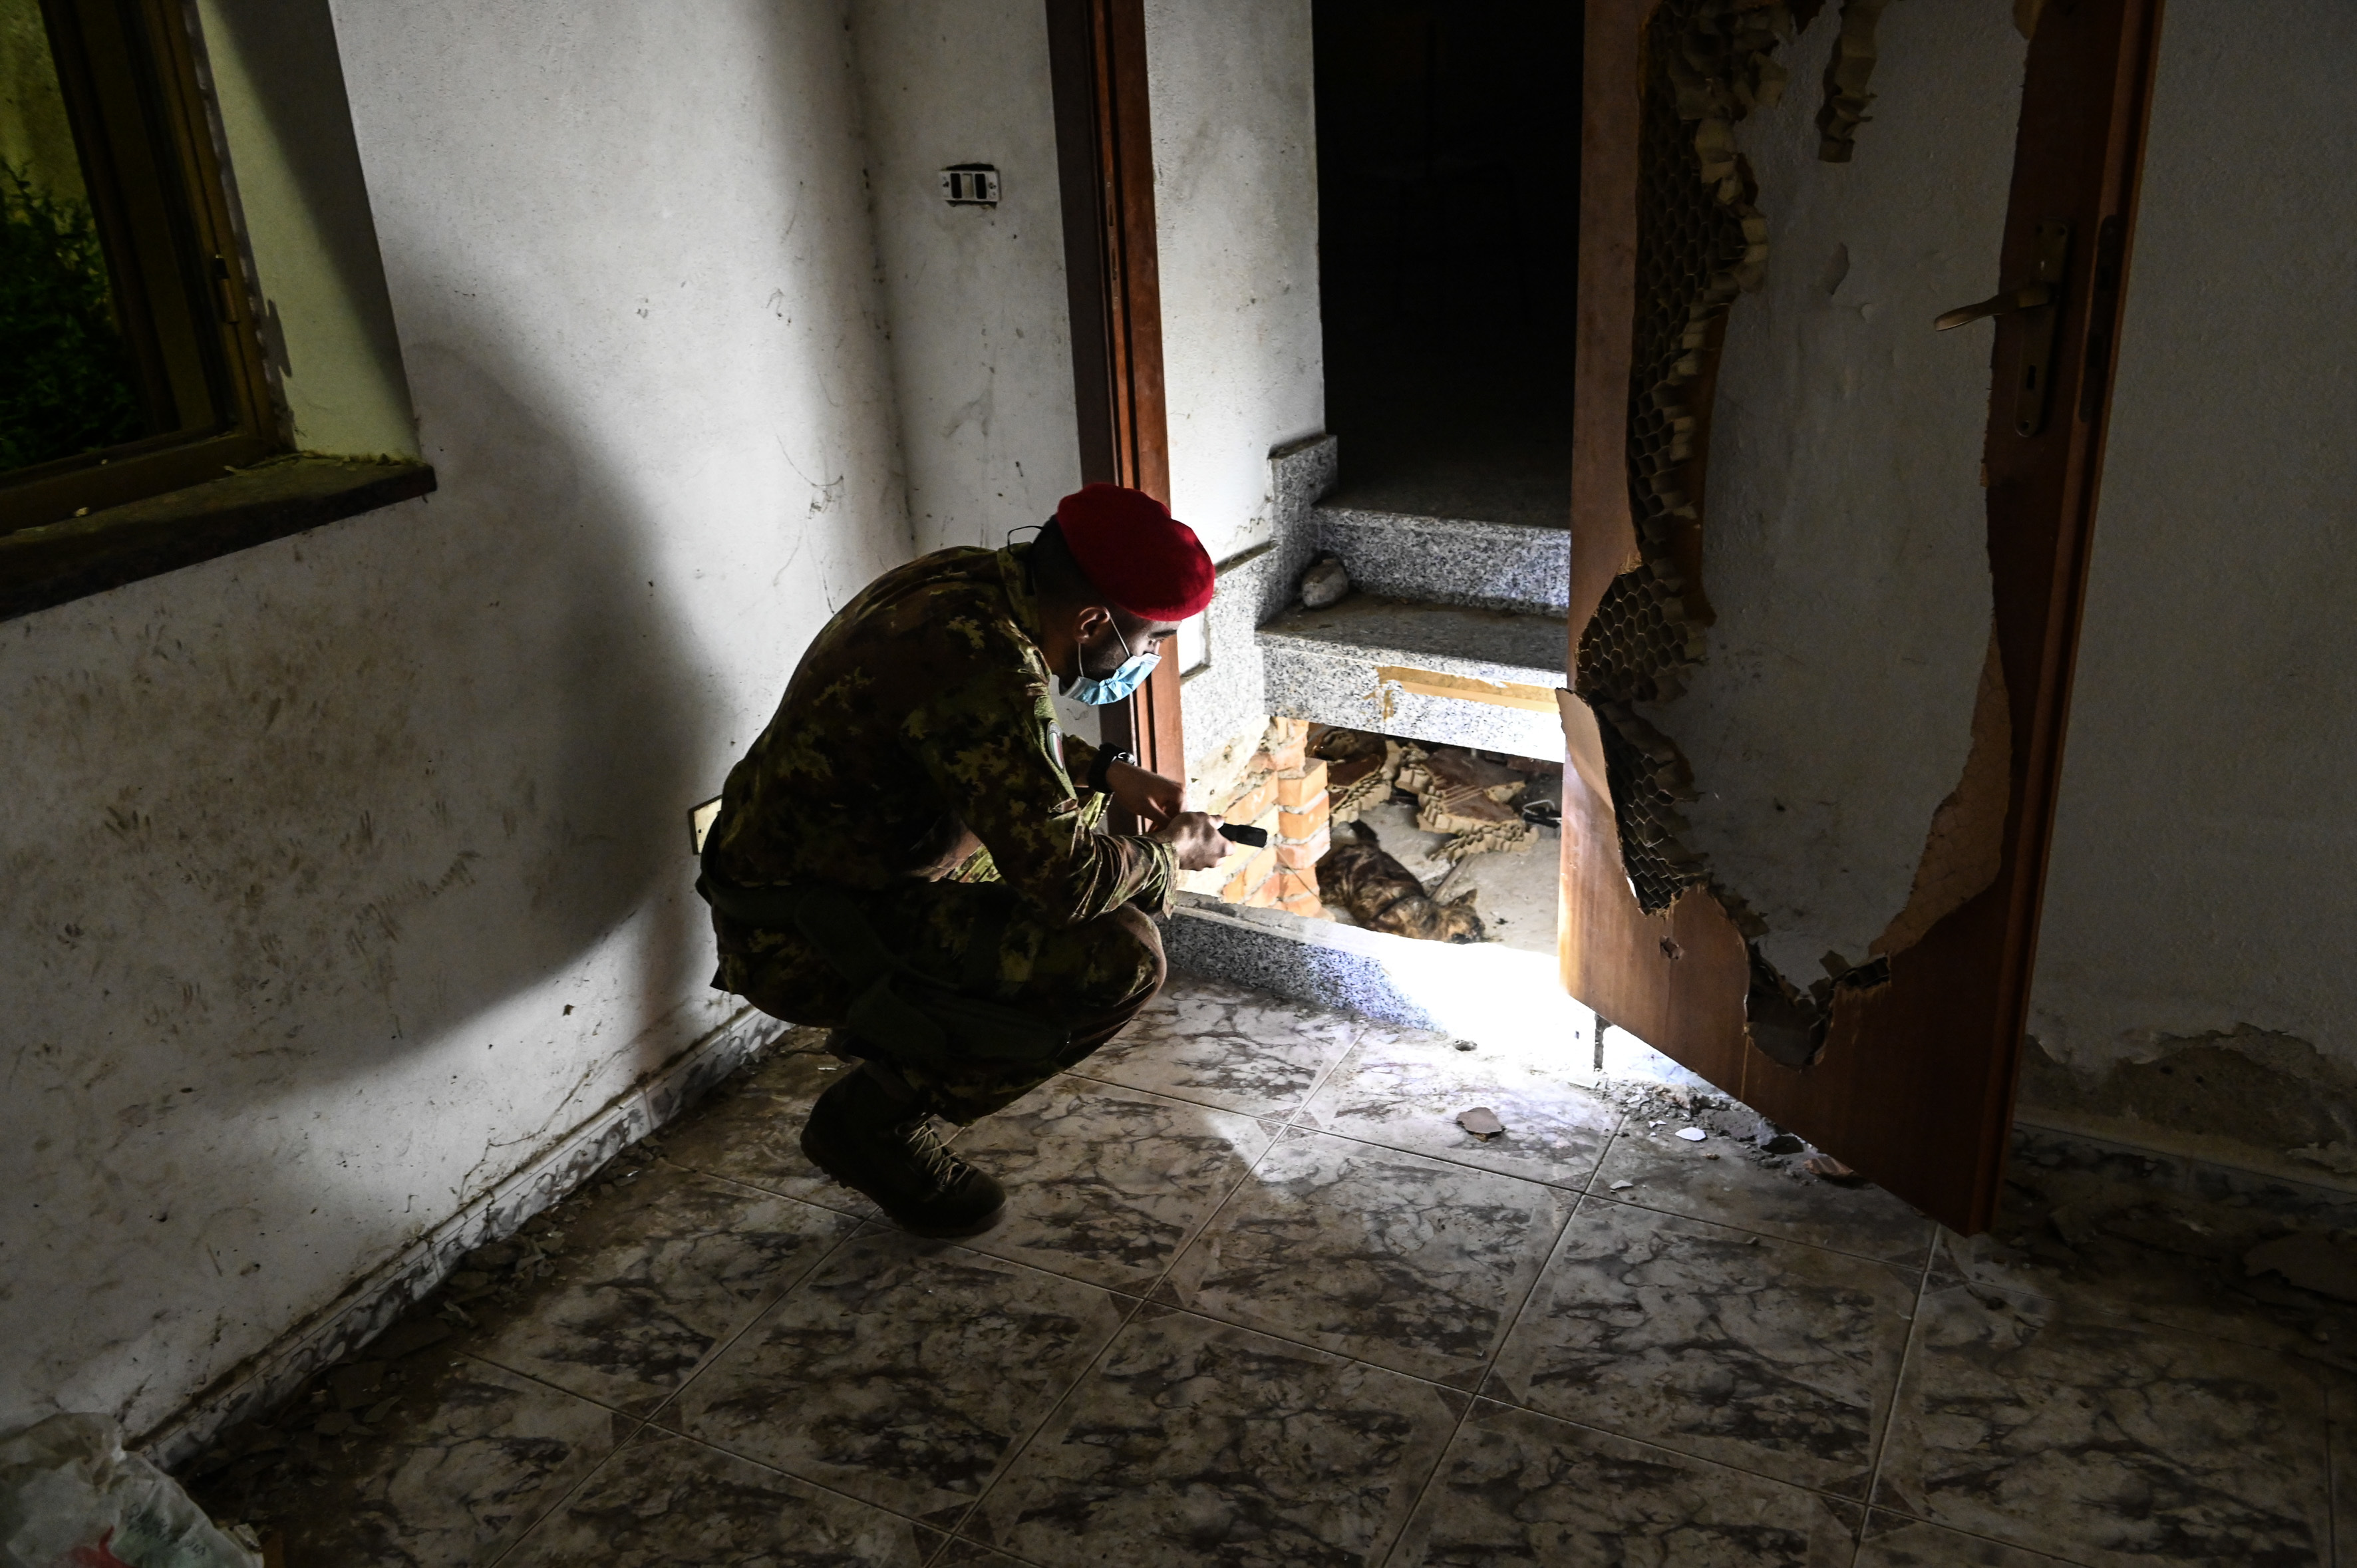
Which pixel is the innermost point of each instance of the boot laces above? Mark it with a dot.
(942, 1168)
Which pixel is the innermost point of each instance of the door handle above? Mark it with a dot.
(2040, 298)
(2029, 296)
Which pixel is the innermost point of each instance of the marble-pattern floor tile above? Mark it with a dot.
(1225, 1047)
(973, 1554)
(1409, 1262)
(2106, 1442)
(1107, 1184)
(1194, 1442)
(1894, 1540)
(2341, 1418)
(464, 1462)
(1762, 1354)
(903, 1372)
(1668, 1173)
(1404, 1089)
(652, 1274)
(2160, 1240)
(1521, 1487)
(750, 1130)
(666, 1501)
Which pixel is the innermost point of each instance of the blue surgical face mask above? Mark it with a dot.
(1117, 686)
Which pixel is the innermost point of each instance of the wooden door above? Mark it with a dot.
(1905, 1065)
(1105, 156)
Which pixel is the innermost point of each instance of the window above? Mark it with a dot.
(125, 315)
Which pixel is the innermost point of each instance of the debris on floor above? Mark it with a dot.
(1327, 582)
(1360, 768)
(1825, 1167)
(1732, 1126)
(1481, 1121)
(2324, 1265)
(70, 1494)
(1468, 796)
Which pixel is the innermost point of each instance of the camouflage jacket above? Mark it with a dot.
(917, 724)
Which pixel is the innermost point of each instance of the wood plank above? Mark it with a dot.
(1677, 980)
(1104, 154)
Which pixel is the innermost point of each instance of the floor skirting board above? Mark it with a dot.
(371, 1304)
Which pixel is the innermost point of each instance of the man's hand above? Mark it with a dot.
(1147, 796)
(1196, 836)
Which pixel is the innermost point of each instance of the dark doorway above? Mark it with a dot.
(1449, 203)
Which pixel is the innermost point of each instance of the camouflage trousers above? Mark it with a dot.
(979, 937)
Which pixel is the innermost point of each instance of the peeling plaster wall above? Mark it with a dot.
(2198, 892)
(1235, 193)
(347, 872)
(981, 324)
(1845, 534)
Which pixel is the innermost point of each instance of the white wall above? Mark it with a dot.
(348, 871)
(976, 296)
(2205, 848)
(1235, 192)
(1844, 542)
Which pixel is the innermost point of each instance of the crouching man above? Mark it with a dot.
(911, 853)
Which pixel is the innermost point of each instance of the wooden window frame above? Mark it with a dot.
(133, 76)
(101, 76)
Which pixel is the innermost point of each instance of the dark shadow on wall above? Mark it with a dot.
(287, 820)
(299, 830)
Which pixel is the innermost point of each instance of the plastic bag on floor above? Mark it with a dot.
(70, 1497)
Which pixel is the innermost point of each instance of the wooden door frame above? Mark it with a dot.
(1104, 160)
(1914, 1087)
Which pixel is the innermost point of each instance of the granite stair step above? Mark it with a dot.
(1449, 673)
(1451, 561)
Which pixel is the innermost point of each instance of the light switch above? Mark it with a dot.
(971, 185)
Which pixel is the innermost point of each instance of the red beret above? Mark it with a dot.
(1139, 556)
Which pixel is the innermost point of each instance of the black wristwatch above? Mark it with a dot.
(1102, 768)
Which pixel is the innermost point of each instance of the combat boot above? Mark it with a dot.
(875, 1141)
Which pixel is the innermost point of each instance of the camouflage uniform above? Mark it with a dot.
(915, 764)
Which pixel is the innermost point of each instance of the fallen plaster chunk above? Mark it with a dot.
(1622, 1186)
(2310, 1261)
(1825, 1167)
(1481, 1121)
(1693, 1134)
(2336, 1156)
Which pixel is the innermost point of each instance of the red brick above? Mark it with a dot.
(1299, 788)
(1311, 820)
(1302, 854)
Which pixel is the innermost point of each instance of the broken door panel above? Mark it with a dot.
(1846, 556)
(1892, 641)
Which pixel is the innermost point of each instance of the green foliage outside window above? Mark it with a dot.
(67, 388)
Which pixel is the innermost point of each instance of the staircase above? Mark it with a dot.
(1454, 634)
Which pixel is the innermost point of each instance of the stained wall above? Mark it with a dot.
(979, 319)
(349, 872)
(1235, 193)
(2204, 848)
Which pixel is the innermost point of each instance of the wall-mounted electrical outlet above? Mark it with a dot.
(971, 185)
(699, 823)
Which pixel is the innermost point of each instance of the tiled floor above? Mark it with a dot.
(1258, 1301)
